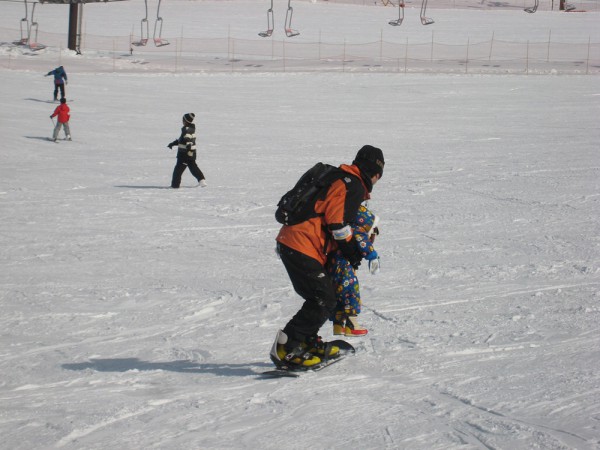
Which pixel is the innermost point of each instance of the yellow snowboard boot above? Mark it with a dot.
(339, 324)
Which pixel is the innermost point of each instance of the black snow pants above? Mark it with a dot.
(313, 284)
(183, 162)
(60, 86)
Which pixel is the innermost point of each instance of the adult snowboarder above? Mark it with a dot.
(303, 249)
(186, 153)
(60, 80)
(63, 112)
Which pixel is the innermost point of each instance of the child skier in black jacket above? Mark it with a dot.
(186, 153)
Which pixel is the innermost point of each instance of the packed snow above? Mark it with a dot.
(138, 316)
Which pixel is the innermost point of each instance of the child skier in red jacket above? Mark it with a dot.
(63, 113)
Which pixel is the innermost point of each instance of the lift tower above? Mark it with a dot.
(75, 18)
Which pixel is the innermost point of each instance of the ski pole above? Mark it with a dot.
(52, 119)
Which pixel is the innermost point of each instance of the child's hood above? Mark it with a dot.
(366, 220)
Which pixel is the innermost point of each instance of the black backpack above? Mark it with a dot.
(298, 204)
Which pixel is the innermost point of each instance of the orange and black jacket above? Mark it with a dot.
(316, 237)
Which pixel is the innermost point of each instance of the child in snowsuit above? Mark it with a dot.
(344, 277)
(60, 80)
(186, 153)
(63, 113)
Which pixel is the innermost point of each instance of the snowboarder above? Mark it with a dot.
(303, 249)
(344, 277)
(60, 80)
(63, 112)
(186, 153)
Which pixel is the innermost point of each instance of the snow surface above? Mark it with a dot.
(135, 316)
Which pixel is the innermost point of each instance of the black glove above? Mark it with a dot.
(170, 145)
(350, 251)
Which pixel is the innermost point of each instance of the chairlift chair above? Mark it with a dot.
(24, 32)
(289, 32)
(270, 23)
(425, 20)
(534, 8)
(159, 41)
(144, 24)
(398, 22)
(33, 33)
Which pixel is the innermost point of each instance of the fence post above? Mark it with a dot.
(406, 57)
(319, 45)
(180, 48)
(587, 64)
(176, 55)
(467, 60)
(527, 60)
(229, 41)
(431, 56)
(344, 57)
(381, 46)
(491, 46)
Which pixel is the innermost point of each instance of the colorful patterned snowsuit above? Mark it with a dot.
(343, 274)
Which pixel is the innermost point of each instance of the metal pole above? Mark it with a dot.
(73, 21)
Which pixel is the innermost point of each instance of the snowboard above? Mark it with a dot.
(346, 349)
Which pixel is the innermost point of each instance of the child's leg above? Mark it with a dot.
(195, 170)
(56, 130)
(177, 172)
(353, 307)
(342, 275)
(67, 130)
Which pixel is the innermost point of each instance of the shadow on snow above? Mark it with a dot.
(182, 366)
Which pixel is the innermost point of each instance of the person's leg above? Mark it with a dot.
(177, 172)
(313, 284)
(195, 170)
(67, 130)
(57, 128)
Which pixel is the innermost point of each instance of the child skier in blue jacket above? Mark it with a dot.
(344, 275)
(60, 80)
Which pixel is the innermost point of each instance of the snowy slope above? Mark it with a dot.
(136, 316)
